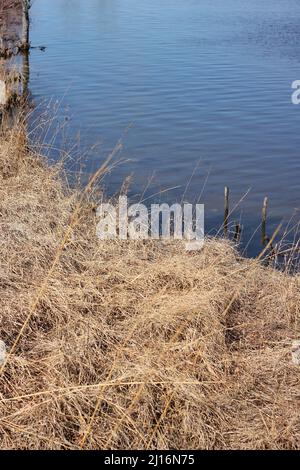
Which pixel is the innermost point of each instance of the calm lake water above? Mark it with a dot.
(199, 91)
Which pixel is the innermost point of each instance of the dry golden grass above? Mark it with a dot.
(131, 345)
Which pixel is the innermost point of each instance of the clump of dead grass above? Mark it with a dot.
(131, 345)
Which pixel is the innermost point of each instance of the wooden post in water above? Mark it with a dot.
(25, 44)
(226, 210)
(25, 75)
(237, 233)
(264, 221)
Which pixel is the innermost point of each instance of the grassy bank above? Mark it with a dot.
(133, 344)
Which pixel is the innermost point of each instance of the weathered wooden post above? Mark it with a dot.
(237, 233)
(226, 210)
(25, 43)
(25, 74)
(264, 221)
(14, 26)
(14, 38)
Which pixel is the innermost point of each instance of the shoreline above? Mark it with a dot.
(131, 345)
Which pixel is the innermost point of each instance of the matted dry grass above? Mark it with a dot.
(130, 345)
